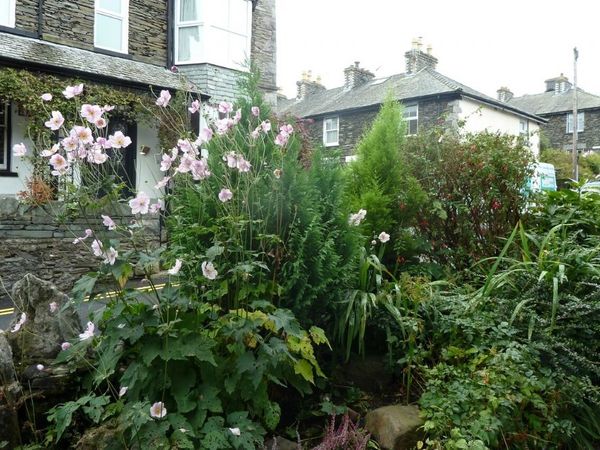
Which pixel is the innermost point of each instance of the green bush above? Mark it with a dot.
(379, 181)
(589, 165)
(475, 183)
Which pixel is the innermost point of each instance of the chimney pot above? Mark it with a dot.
(355, 76)
(416, 59)
(504, 94)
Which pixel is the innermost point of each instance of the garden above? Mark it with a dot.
(303, 295)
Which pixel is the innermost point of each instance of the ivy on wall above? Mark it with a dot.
(23, 88)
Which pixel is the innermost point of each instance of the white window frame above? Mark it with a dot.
(523, 127)
(5, 143)
(204, 25)
(580, 123)
(123, 17)
(12, 12)
(326, 130)
(411, 119)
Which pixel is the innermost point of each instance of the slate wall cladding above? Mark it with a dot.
(33, 241)
(354, 124)
(218, 82)
(73, 25)
(556, 131)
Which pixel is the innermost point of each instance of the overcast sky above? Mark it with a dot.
(481, 43)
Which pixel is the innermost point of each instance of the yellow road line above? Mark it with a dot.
(9, 311)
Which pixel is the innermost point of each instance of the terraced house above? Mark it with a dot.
(340, 116)
(126, 47)
(555, 104)
(131, 45)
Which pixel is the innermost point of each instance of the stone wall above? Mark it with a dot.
(263, 51)
(33, 241)
(354, 124)
(556, 131)
(26, 15)
(74, 26)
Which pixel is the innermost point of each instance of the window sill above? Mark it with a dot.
(18, 32)
(8, 174)
(333, 144)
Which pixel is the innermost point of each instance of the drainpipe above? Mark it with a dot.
(40, 18)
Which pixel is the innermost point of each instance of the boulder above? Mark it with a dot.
(281, 443)
(7, 369)
(42, 330)
(395, 427)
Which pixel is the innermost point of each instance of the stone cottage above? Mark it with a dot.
(340, 116)
(131, 45)
(555, 105)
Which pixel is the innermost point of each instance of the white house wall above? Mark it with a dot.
(481, 117)
(148, 166)
(12, 185)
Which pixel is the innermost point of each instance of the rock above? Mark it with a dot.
(9, 392)
(7, 369)
(281, 443)
(39, 337)
(395, 427)
(107, 436)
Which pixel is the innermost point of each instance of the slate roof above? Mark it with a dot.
(87, 63)
(551, 103)
(406, 87)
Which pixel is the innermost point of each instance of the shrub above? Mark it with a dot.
(380, 181)
(200, 363)
(475, 183)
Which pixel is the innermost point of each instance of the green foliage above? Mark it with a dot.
(589, 165)
(282, 238)
(475, 183)
(380, 180)
(517, 362)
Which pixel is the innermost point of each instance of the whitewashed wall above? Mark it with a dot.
(11, 185)
(481, 117)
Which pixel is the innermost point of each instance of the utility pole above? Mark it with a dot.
(575, 121)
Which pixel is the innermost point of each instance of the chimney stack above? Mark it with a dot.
(306, 86)
(417, 59)
(355, 76)
(558, 84)
(504, 94)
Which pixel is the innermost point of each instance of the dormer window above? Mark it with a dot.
(213, 31)
(111, 25)
(7, 13)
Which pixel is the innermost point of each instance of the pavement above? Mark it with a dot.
(7, 310)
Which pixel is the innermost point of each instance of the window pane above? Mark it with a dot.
(411, 127)
(238, 50)
(109, 33)
(5, 13)
(189, 10)
(188, 44)
(217, 12)
(410, 111)
(110, 5)
(331, 137)
(238, 16)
